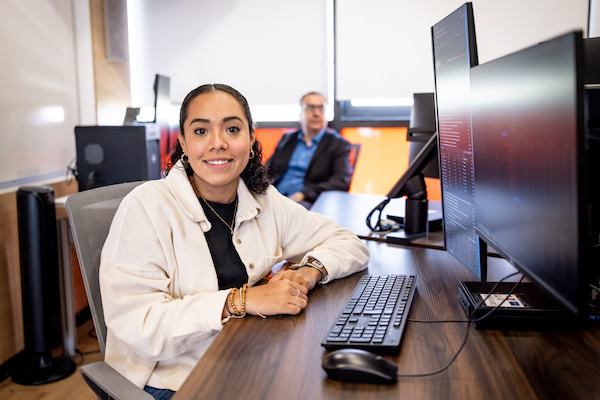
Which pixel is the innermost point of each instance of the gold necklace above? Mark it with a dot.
(222, 220)
(213, 210)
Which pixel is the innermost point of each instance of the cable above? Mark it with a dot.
(595, 299)
(71, 170)
(470, 320)
(490, 293)
(382, 225)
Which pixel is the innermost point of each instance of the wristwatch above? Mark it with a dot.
(316, 264)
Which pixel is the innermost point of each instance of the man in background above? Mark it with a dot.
(313, 159)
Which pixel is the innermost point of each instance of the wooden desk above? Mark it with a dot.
(280, 357)
(351, 210)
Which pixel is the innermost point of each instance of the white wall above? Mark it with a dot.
(594, 20)
(273, 51)
(384, 46)
(270, 50)
(40, 96)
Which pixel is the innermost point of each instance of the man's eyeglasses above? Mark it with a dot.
(312, 107)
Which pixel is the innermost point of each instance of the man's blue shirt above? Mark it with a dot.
(292, 180)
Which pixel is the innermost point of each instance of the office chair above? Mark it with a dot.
(90, 215)
(354, 152)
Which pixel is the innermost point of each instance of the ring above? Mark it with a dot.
(297, 295)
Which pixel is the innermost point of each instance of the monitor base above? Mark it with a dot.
(403, 238)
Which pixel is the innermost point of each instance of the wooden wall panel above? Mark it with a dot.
(112, 82)
(11, 320)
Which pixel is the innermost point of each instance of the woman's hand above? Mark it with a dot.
(278, 296)
(305, 276)
(285, 293)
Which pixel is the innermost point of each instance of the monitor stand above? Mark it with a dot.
(419, 217)
(396, 210)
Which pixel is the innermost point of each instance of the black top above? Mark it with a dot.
(231, 271)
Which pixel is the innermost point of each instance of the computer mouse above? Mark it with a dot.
(359, 366)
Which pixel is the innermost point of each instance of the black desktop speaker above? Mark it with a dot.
(107, 155)
(40, 288)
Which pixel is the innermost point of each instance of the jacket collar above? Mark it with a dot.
(182, 191)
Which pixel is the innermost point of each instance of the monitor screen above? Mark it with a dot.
(528, 126)
(454, 53)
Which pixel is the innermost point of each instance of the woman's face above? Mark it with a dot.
(217, 141)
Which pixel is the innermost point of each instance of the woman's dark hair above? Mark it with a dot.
(255, 175)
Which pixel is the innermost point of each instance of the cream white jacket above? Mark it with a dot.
(159, 287)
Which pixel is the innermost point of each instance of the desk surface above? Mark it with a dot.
(280, 357)
(351, 210)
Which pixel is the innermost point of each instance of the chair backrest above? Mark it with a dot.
(354, 152)
(90, 214)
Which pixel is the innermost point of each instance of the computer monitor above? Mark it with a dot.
(530, 186)
(421, 127)
(454, 54)
(412, 182)
(591, 48)
(422, 116)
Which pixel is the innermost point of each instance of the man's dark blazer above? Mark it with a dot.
(329, 168)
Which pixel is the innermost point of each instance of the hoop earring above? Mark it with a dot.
(184, 159)
(252, 154)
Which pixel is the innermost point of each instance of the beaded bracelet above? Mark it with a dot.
(232, 302)
(227, 306)
(231, 296)
(235, 313)
(243, 298)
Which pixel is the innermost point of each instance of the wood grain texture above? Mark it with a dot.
(112, 79)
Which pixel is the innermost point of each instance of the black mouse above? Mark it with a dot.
(359, 366)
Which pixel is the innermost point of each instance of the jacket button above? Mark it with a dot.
(251, 266)
(238, 241)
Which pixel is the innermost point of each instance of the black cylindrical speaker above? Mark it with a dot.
(40, 287)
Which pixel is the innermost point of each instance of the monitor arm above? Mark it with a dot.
(415, 188)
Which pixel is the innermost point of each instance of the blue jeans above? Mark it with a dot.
(159, 394)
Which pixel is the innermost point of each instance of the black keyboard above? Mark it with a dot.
(375, 315)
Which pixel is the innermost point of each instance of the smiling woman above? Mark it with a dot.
(187, 253)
